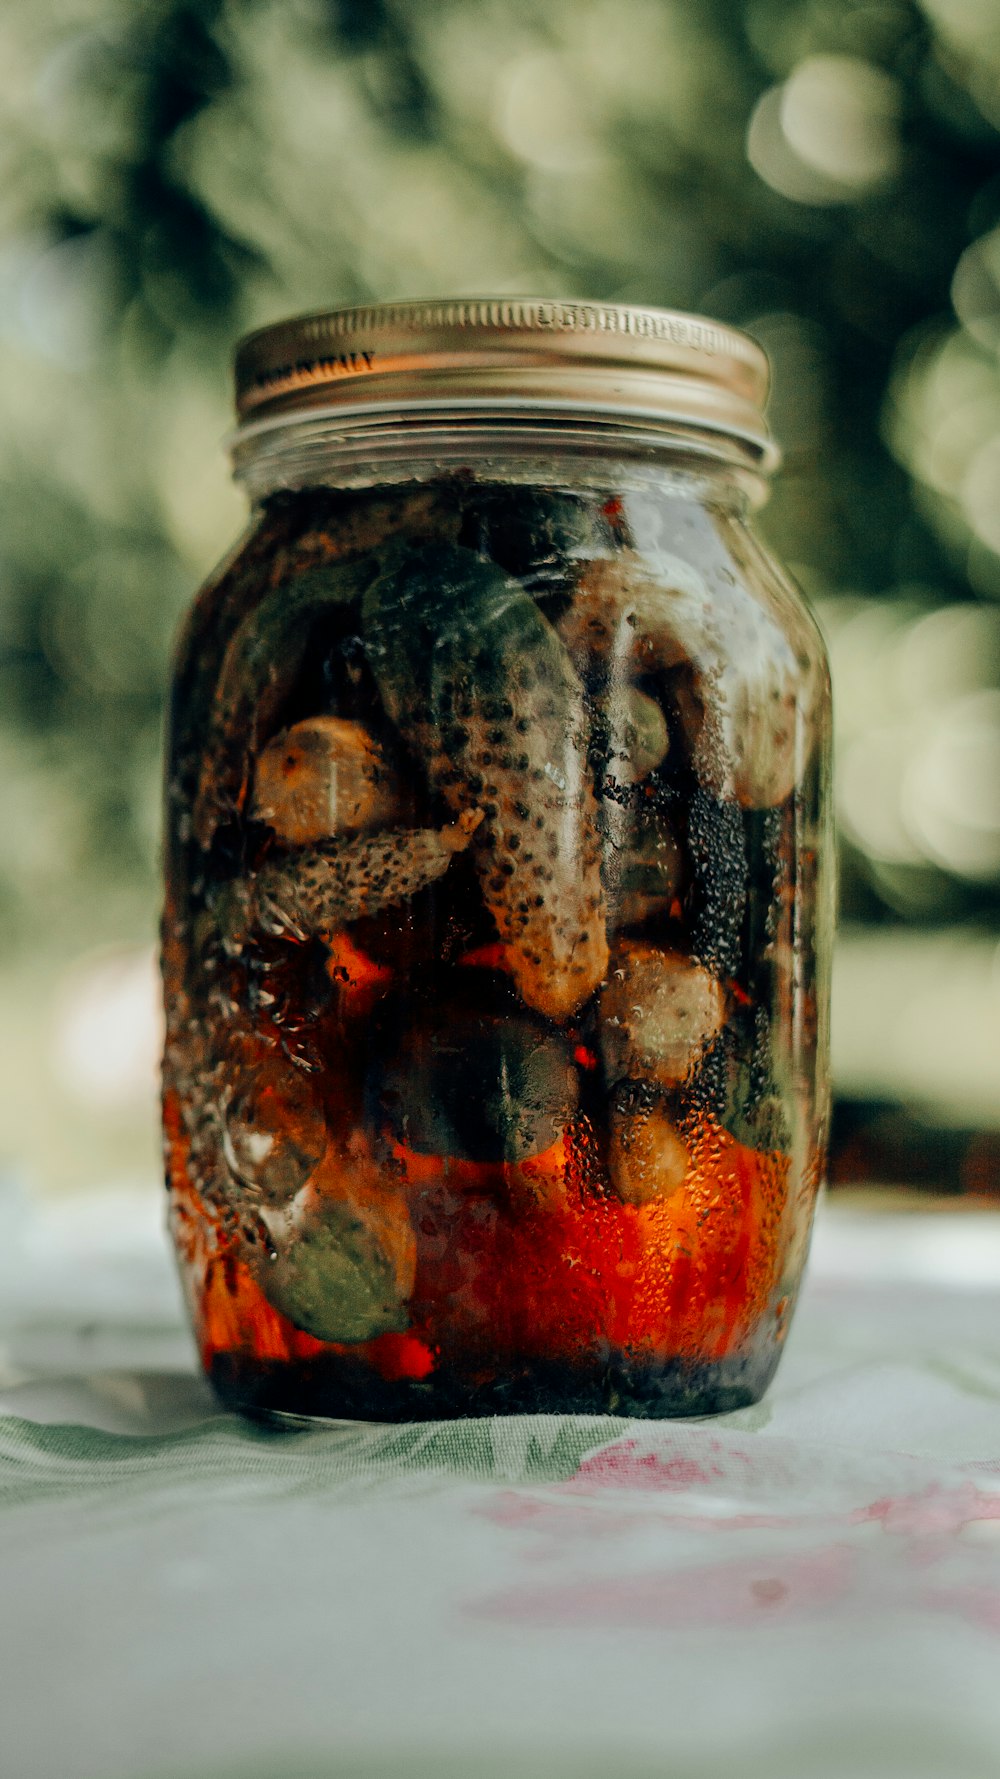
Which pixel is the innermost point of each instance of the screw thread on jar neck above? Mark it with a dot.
(506, 444)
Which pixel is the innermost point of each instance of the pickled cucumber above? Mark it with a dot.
(538, 534)
(323, 777)
(660, 1012)
(259, 670)
(738, 700)
(274, 1131)
(482, 690)
(648, 1158)
(317, 890)
(479, 1089)
(337, 1278)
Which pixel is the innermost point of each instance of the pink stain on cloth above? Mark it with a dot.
(682, 1528)
(716, 1594)
(622, 1466)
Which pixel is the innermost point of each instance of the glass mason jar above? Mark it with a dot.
(498, 907)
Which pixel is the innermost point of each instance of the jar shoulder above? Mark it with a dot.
(730, 567)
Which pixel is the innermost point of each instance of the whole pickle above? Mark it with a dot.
(345, 1272)
(484, 693)
(660, 1012)
(638, 738)
(261, 664)
(323, 777)
(316, 890)
(648, 1158)
(538, 534)
(738, 700)
(758, 1096)
(479, 1089)
(274, 1131)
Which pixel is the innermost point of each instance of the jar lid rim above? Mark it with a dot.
(536, 347)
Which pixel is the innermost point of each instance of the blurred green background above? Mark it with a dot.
(825, 173)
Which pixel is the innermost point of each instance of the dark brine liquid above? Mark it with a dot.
(488, 952)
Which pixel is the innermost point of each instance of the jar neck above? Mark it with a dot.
(384, 448)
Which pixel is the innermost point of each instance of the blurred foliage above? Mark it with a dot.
(823, 172)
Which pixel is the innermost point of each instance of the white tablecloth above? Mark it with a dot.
(808, 1589)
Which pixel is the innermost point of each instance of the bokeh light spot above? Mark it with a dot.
(829, 133)
(975, 290)
(839, 115)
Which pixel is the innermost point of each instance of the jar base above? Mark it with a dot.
(289, 1396)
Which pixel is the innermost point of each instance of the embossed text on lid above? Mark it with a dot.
(612, 358)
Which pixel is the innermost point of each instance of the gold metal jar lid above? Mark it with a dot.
(510, 353)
